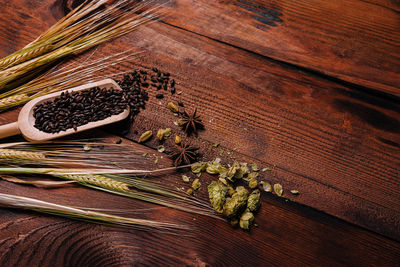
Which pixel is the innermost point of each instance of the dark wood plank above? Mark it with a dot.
(336, 144)
(306, 126)
(288, 234)
(355, 41)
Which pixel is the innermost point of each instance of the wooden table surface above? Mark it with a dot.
(309, 88)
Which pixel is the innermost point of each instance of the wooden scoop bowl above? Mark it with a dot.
(26, 121)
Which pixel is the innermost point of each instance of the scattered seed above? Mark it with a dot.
(178, 140)
(189, 191)
(87, 148)
(161, 148)
(266, 169)
(160, 134)
(185, 178)
(167, 132)
(266, 186)
(215, 145)
(196, 184)
(135, 96)
(163, 133)
(294, 192)
(145, 136)
(278, 189)
(254, 167)
(172, 107)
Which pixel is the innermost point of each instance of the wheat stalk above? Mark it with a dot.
(11, 74)
(62, 79)
(154, 194)
(23, 56)
(99, 180)
(18, 154)
(114, 179)
(86, 214)
(80, 171)
(13, 100)
(85, 27)
(72, 153)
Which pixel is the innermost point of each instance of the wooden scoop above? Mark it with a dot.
(26, 121)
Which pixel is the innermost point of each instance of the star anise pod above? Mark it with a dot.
(190, 122)
(184, 154)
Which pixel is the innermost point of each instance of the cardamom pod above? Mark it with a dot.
(163, 133)
(145, 136)
(160, 134)
(173, 107)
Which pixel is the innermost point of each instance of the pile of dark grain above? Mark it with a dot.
(71, 110)
(157, 80)
(135, 95)
(74, 109)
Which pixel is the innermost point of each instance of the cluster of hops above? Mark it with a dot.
(237, 205)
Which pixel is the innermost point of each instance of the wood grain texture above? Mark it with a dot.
(338, 145)
(287, 234)
(351, 40)
(325, 139)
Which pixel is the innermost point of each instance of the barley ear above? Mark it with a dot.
(23, 55)
(99, 180)
(14, 100)
(17, 154)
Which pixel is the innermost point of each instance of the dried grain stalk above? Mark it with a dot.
(90, 24)
(85, 214)
(110, 178)
(61, 79)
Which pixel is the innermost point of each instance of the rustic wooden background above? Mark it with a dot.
(308, 88)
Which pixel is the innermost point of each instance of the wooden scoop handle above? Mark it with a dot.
(9, 130)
